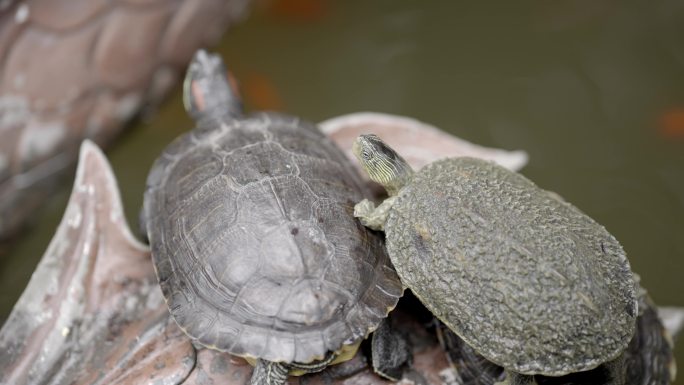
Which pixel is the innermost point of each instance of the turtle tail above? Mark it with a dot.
(207, 89)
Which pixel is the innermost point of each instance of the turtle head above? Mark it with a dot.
(208, 90)
(382, 164)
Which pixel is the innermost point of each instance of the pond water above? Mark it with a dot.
(592, 90)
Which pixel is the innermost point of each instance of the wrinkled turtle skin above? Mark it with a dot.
(526, 279)
(649, 358)
(254, 242)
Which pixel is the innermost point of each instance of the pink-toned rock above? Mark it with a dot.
(214, 367)
(119, 60)
(55, 81)
(93, 312)
(8, 32)
(419, 143)
(38, 141)
(183, 36)
(141, 2)
(86, 66)
(64, 15)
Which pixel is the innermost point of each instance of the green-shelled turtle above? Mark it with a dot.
(527, 280)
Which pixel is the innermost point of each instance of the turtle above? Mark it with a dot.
(648, 359)
(523, 277)
(252, 234)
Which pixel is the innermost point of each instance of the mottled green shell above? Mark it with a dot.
(255, 245)
(526, 279)
(648, 359)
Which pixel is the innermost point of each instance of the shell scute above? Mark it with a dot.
(190, 175)
(519, 274)
(312, 301)
(233, 260)
(257, 251)
(225, 143)
(266, 159)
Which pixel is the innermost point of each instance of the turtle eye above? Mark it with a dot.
(365, 154)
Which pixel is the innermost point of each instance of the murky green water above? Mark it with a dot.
(593, 90)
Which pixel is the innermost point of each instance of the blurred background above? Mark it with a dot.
(593, 90)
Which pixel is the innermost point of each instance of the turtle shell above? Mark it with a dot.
(254, 241)
(526, 279)
(648, 359)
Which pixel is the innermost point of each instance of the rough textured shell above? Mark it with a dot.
(648, 359)
(528, 280)
(255, 245)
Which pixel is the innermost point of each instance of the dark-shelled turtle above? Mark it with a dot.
(250, 221)
(648, 359)
(526, 279)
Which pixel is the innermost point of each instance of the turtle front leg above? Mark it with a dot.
(269, 373)
(373, 217)
(390, 352)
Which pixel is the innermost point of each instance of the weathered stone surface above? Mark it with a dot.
(38, 141)
(142, 2)
(64, 14)
(93, 312)
(183, 35)
(419, 143)
(49, 84)
(219, 368)
(8, 31)
(121, 61)
(87, 67)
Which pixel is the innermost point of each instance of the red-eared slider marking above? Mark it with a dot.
(250, 220)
